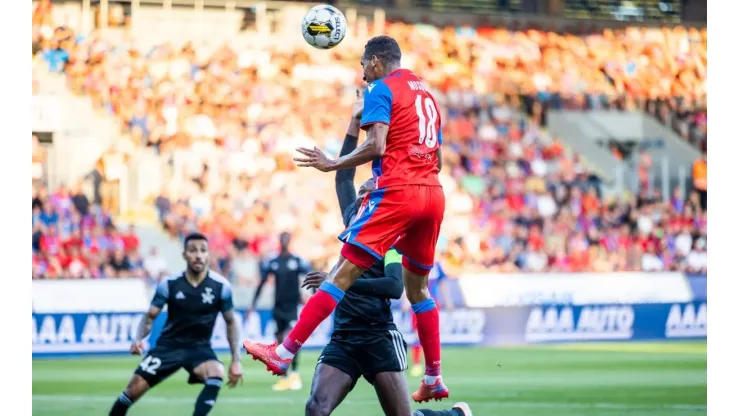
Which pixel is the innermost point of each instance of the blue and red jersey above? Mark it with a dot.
(401, 101)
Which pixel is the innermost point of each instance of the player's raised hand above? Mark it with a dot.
(137, 347)
(313, 280)
(315, 158)
(358, 105)
(236, 376)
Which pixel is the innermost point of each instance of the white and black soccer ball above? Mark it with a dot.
(324, 27)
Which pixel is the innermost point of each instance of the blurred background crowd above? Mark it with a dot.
(224, 121)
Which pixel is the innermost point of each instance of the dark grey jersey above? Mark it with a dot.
(288, 270)
(191, 310)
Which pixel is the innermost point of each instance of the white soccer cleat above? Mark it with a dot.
(294, 381)
(464, 407)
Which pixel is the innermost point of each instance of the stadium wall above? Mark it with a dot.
(58, 332)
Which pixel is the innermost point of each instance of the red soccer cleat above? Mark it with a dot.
(268, 356)
(426, 392)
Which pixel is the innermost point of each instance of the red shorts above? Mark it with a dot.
(407, 218)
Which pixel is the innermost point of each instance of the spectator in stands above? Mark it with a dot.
(226, 123)
(699, 174)
(155, 265)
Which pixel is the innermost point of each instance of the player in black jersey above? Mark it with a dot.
(365, 341)
(287, 268)
(194, 300)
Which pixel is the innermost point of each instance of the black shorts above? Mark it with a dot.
(284, 321)
(365, 353)
(162, 362)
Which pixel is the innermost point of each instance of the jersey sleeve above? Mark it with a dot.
(378, 99)
(227, 301)
(265, 269)
(304, 267)
(161, 293)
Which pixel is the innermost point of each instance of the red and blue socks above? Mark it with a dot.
(427, 319)
(318, 308)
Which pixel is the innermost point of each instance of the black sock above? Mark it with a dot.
(427, 412)
(120, 407)
(294, 364)
(207, 398)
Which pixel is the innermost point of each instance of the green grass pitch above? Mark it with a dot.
(651, 379)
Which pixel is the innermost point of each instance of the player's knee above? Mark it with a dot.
(317, 406)
(416, 292)
(210, 369)
(417, 296)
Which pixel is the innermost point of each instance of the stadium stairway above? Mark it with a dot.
(590, 133)
(151, 235)
(82, 133)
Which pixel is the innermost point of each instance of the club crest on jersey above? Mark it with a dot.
(292, 264)
(208, 296)
(422, 152)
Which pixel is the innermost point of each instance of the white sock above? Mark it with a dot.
(429, 380)
(283, 353)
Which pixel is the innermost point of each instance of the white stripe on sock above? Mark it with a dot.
(283, 353)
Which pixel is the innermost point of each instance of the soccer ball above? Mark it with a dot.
(324, 27)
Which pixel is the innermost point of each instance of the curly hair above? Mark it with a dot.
(385, 48)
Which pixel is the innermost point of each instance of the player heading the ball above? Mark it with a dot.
(405, 211)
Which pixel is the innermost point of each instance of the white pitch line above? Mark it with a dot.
(288, 400)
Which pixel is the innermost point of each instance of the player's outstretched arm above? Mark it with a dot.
(264, 274)
(390, 286)
(161, 294)
(232, 335)
(372, 148)
(145, 327)
(375, 119)
(344, 181)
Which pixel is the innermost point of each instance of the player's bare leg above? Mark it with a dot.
(211, 373)
(427, 319)
(329, 388)
(136, 388)
(392, 391)
(276, 357)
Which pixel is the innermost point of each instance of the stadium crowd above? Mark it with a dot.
(74, 238)
(226, 121)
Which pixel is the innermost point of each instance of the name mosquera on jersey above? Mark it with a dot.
(402, 102)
